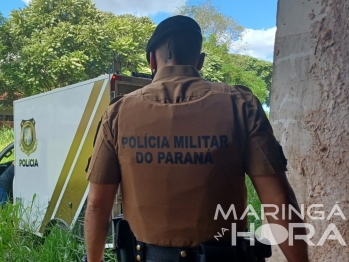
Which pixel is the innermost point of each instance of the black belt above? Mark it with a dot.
(128, 249)
(205, 253)
(150, 253)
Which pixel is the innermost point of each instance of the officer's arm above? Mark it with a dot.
(97, 218)
(275, 189)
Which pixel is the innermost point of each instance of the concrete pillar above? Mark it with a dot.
(310, 112)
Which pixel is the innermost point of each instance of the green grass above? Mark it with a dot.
(6, 137)
(21, 245)
(253, 200)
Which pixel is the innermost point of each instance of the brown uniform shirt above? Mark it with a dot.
(180, 146)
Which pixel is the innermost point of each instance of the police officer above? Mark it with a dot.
(179, 148)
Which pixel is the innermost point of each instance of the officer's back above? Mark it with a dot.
(180, 147)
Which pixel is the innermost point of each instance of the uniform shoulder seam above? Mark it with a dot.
(242, 92)
(114, 108)
(115, 99)
(242, 87)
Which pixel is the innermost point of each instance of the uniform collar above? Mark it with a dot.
(178, 70)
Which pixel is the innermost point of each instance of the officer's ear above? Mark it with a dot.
(152, 61)
(201, 61)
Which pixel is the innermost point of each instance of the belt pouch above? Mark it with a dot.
(125, 241)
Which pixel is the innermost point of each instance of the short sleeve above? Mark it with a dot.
(104, 165)
(264, 154)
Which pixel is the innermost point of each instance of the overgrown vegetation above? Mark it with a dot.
(6, 136)
(18, 243)
(50, 44)
(21, 245)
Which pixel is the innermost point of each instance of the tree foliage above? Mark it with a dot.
(51, 44)
(219, 32)
(262, 69)
(213, 22)
(221, 66)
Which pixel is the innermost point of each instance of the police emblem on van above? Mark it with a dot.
(28, 142)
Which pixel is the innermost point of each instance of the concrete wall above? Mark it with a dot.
(310, 111)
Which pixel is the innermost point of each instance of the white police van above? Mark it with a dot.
(54, 134)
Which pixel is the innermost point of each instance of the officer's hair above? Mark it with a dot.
(183, 47)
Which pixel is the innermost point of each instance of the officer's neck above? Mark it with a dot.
(171, 63)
